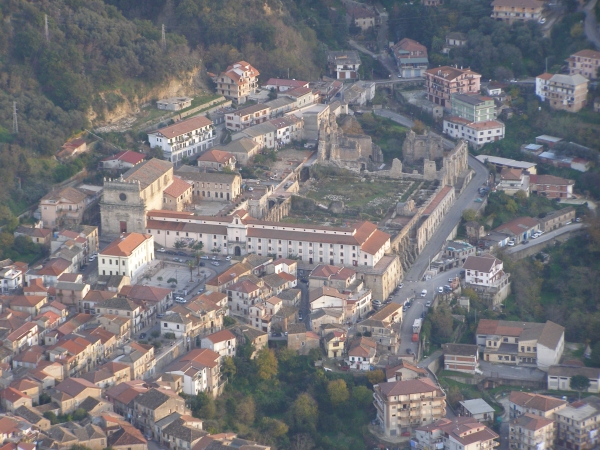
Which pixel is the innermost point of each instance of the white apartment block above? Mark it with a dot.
(477, 133)
(275, 133)
(246, 117)
(184, 139)
(483, 270)
(239, 234)
(127, 255)
(222, 342)
(462, 433)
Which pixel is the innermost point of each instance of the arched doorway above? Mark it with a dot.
(237, 251)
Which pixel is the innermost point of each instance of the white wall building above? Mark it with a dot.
(477, 133)
(483, 270)
(186, 138)
(222, 342)
(127, 255)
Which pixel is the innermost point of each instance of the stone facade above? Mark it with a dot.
(351, 151)
(420, 147)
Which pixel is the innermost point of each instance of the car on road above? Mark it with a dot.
(535, 236)
(214, 258)
(428, 304)
(304, 280)
(543, 20)
(143, 336)
(275, 334)
(160, 316)
(161, 250)
(525, 242)
(404, 308)
(440, 289)
(181, 253)
(450, 280)
(215, 263)
(204, 257)
(92, 258)
(376, 303)
(180, 300)
(511, 243)
(423, 292)
(578, 220)
(401, 285)
(200, 291)
(399, 75)
(568, 223)
(478, 200)
(228, 258)
(202, 264)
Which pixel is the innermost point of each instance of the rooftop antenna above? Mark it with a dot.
(46, 27)
(15, 120)
(164, 38)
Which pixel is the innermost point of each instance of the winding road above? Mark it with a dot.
(590, 24)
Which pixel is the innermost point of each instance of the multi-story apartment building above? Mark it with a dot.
(404, 405)
(463, 433)
(200, 370)
(563, 92)
(127, 255)
(153, 405)
(551, 186)
(577, 425)
(343, 64)
(63, 206)
(474, 108)
(513, 181)
(531, 432)
(585, 62)
(461, 357)
(535, 404)
(276, 132)
(411, 58)
(517, 10)
(483, 270)
(238, 81)
(442, 82)
(477, 133)
(246, 117)
(183, 139)
(516, 343)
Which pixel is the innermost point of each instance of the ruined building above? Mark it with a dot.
(351, 151)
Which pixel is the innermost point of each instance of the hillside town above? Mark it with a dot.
(277, 228)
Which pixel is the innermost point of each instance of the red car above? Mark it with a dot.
(406, 433)
(345, 368)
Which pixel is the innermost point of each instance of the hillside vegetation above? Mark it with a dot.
(101, 55)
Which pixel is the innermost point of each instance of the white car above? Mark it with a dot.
(228, 258)
(214, 258)
(543, 20)
(440, 289)
(428, 304)
(215, 263)
(161, 250)
(204, 257)
(535, 236)
(250, 189)
(511, 243)
(568, 223)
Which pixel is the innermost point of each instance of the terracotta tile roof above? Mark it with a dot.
(299, 91)
(251, 109)
(220, 336)
(183, 127)
(69, 193)
(177, 187)
(549, 179)
(437, 199)
(278, 82)
(587, 53)
(449, 73)
(204, 356)
(532, 422)
(511, 174)
(217, 156)
(408, 387)
(410, 45)
(535, 401)
(146, 293)
(75, 386)
(126, 245)
(12, 395)
(21, 331)
(54, 267)
(519, 3)
(518, 226)
(480, 263)
(316, 294)
(99, 296)
(8, 425)
(126, 436)
(127, 156)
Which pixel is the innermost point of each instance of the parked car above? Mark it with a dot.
(228, 258)
(214, 258)
(478, 200)
(440, 289)
(578, 220)
(143, 336)
(215, 263)
(428, 304)
(568, 223)
(161, 250)
(401, 285)
(376, 302)
(200, 291)
(525, 242)
(450, 280)
(423, 292)
(202, 264)
(409, 351)
(180, 253)
(511, 243)
(204, 257)
(274, 334)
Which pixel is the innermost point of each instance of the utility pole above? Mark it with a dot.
(288, 73)
(46, 27)
(546, 64)
(164, 38)
(15, 120)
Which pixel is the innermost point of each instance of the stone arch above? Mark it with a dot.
(237, 251)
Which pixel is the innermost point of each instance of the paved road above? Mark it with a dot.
(590, 24)
(413, 284)
(545, 237)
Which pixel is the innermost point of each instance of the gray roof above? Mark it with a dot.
(179, 430)
(243, 145)
(70, 286)
(118, 303)
(343, 57)
(194, 174)
(572, 80)
(260, 129)
(413, 60)
(165, 421)
(460, 349)
(477, 406)
(28, 414)
(470, 99)
(593, 373)
(296, 328)
(255, 260)
(248, 331)
(551, 335)
(152, 399)
(289, 294)
(279, 102)
(148, 172)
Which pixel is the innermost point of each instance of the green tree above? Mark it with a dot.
(579, 383)
(521, 196)
(191, 265)
(51, 417)
(454, 396)
(304, 413)
(266, 364)
(79, 414)
(172, 280)
(245, 410)
(228, 368)
(273, 427)
(180, 244)
(375, 376)
(338, 392)
(362, 396)
(442, 324)
(80, 447)
(469, 215)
